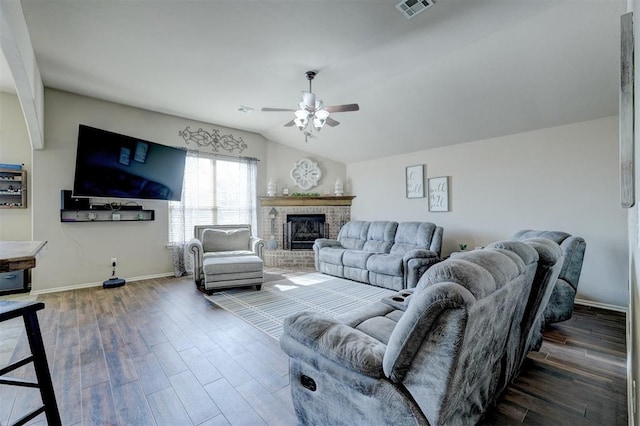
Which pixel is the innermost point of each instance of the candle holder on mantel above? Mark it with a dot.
(339, 187)
(271, 188)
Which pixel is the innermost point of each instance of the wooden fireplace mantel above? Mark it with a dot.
(328, 200)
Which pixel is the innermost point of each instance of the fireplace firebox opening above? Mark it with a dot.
(301, 230)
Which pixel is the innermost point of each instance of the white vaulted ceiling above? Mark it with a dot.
(463, 70)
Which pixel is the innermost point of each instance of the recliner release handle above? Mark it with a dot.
(308, 383)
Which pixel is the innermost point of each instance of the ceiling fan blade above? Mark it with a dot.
(277, 109)
(289, 123)
(343, 108)
(331, 122)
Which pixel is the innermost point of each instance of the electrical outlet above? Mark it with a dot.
(114, 261)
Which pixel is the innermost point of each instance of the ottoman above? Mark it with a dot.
(232, 271)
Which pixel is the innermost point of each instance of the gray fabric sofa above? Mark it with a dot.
(560, 306)
(528, 335)
(382, 253)
(438, 354)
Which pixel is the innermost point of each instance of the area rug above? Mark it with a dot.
(266, 309)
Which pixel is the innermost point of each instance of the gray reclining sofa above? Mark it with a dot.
(382, 253)
(438, 354)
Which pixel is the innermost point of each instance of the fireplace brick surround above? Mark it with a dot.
(337, 211)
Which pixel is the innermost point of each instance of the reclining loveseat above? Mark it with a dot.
(438, 354)
(382, 253)
(560, 307)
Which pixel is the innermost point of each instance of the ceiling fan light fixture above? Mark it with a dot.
(320, 117)
(313, 110)
(322, 114)
(302, 119)
(302, 114)
(299, 124)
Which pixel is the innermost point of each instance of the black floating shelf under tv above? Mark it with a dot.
(106, 215)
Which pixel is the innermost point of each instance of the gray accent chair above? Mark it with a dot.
(381, 253)
(226, 256)
(560, 306)
(435, 356)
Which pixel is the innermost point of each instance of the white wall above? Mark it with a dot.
(80, 253)
(281, 159)
(15, 148)
(563, 178)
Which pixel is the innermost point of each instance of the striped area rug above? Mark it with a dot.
(266, 309)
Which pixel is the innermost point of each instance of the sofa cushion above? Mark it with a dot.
(387, 264)
(356, 258)
(379, 327)
(232, 265)
(411, 236)
(225, 239)
(353, 234)
(332, 256)
(380, 236)
(493, 268)
(230, 253)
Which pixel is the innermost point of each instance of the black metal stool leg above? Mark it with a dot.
(28, 312)
(41, 368)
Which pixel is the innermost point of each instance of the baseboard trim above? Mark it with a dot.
(96, 284)
(600, 305)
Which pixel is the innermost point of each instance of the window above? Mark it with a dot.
(216, 191)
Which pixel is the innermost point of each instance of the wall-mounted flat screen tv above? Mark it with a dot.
(112, 165)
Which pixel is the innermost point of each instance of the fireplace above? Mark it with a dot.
(301, 230)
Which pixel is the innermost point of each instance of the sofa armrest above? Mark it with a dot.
(312, 335)
(194, 246)
(321, 243)
(326, 242)
(257, 246)
(419, 253)
(415, 263)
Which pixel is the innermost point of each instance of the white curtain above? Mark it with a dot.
(251, 195)
(216, 190)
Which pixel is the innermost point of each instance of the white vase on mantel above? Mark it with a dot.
(271, 188)
(339, 187)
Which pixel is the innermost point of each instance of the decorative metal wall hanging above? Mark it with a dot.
(213, 139)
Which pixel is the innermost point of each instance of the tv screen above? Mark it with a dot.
(112, 165)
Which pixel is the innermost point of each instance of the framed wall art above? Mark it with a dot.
(439, 194)
(414, 181)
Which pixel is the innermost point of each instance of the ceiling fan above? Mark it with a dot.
(312, 110)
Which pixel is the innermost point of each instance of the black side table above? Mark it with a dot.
(28, 311)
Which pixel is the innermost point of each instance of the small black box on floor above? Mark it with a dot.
(113, 282)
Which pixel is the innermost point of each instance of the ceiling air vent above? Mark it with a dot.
(411, 8)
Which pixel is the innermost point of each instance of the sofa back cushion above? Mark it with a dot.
(353, 234)
(573, 249)
(216, 240)
(411, 236)
(380, 236)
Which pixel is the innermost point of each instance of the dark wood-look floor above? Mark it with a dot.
(157, 352)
